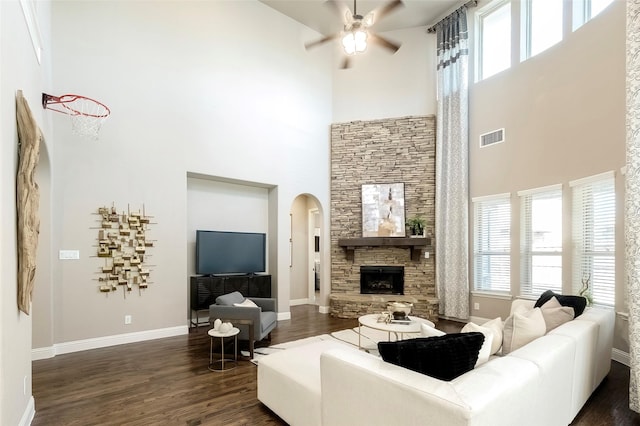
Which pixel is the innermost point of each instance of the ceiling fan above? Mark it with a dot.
(357, 33)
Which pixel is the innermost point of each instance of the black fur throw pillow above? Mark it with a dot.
(443, 357)
(578, 303)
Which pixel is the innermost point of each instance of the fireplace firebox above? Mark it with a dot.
(382, 280)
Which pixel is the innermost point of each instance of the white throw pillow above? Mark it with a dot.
(496, 327)
(555, 314)
(522, 328)
(246, 303)
(552, 303)
(427, 331)
(485, 350)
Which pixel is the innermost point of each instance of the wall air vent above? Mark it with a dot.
(491, 138)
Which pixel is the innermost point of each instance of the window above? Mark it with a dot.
(542, 21)
(541, 240)
(492, 243)
(494, 39)
(584, 10)
(593, 235)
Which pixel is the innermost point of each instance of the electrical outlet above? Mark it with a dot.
(426, 254)
(127, 319)
(476, 306)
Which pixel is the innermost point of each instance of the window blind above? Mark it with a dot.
(541, 241)
(492, 244)
(593, 236)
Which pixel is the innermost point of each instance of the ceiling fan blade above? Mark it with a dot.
(341, 10)
(381, 41)
(346, 63)
(321, 41)
(377, 14)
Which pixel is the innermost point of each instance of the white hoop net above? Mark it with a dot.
(87, 117)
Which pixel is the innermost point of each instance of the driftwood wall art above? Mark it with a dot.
(123, 244)
(27, 200)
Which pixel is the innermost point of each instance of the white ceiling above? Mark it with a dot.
(319, 16)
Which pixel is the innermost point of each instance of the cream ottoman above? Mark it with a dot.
(289, 382)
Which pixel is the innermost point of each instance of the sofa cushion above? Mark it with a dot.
(485, 350)
(522, 328)
(230, 298)
(443, 357)
(555, 314)
(294, 375)
(578, 303)
(427, 331)
(496, 326)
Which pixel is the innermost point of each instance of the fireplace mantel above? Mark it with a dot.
(416, 246)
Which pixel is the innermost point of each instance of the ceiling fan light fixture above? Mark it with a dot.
(355, 41)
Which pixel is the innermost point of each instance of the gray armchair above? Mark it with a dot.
(255, 323)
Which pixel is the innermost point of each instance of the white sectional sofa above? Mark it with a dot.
(546, 382)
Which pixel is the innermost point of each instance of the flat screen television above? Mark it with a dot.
(220, 252)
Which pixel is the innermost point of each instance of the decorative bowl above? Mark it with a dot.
(404, 307)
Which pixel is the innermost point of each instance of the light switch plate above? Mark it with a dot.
(69, 254)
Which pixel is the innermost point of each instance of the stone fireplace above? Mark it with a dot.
(394, 150)
(382, 280)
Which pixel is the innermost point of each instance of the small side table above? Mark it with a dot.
(231, 333)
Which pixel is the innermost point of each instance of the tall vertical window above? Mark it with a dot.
(593, 235)
(541, 240)
(492, 243)
(542, 21)
(584, 10)
(494, 39)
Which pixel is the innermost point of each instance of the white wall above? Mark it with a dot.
(384, 85)
(195, 88)
(19, 70)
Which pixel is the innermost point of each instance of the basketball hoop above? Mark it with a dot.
(86, 114)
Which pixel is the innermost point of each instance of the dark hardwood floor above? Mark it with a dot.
(166, 382)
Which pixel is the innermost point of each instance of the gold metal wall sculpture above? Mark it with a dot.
(27, 200)
(123, 244)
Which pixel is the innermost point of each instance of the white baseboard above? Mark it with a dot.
(620, 356)
(284, 316)
(103, 342)
(321, 309)
(43, 353)
(29, 413)
(477, 320)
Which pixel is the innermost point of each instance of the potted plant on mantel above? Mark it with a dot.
(416, 225)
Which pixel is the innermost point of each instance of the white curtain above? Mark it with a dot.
(632, 198)
(452, 159)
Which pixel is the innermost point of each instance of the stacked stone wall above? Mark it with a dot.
(393, 150)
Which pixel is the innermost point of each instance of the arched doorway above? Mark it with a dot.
(305, 264)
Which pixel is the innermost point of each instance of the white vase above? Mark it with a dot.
(216, 324)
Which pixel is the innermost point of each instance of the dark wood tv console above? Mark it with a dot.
(205, 288)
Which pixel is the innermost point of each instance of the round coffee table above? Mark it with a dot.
(398, 328)
(231, 333)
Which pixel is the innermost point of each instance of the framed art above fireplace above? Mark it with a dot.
(383, 210)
